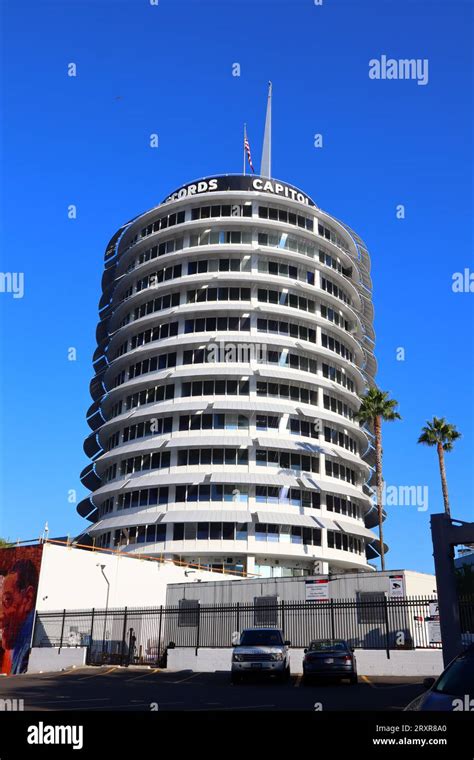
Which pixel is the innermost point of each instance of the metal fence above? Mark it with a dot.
(142, 636)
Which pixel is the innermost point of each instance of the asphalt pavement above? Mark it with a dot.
(144, 689)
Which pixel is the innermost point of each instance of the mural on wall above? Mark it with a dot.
(19, 575)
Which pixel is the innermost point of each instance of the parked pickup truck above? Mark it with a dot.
(262, 651)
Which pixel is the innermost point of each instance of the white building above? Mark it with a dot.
(234, 344)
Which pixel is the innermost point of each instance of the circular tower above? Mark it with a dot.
(235, 341)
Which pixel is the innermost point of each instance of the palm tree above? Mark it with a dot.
(441, 434)
(375, 407)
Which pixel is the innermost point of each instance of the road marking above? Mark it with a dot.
(144, 675)
(298, 681)
(97, 675)
(188, 678)
(367, 680)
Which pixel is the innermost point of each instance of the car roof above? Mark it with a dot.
(262, 629)
(332, 641)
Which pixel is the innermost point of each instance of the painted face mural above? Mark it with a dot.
(19, 574)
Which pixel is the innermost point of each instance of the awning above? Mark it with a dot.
(207, 515)
(219, 440)
(325, 522)
(356, 530)
(147, 517)
(283, 518)
(256, 478)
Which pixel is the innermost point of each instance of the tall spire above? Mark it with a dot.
(266, 165)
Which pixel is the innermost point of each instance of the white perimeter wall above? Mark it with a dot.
(71, 579)
(370, 662)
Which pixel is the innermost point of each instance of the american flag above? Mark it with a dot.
(247, 150)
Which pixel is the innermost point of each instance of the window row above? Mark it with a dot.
(336, 470)
(337, 376)
(219, 456)
(289, 534)
(330, 261)
(160, 332)
(288, 217)
(219, 265)
(229, 531)
(217, 421)
(286, 461)
(150, 307)
(147, 396)
(212, 324)
(264, 494)
(334, 290)
(329, 234)
(214, 211)
(214, 531)
(293, 392)
(335, 317)
(282, 358)
(294, 497)
(144, 497)
(287, 242)
(342, 506)
(344, 542)
(162, 223)
(154, 426)
(141, 534)
(212, 492)
(221, 237)
(106, 506)
(152, 279)
(152, 364)
(286, 328)
(281, 269)
(167, 246)
(217, 294)
(336, 405)
(156, 461)
(282, 298)
(327, 341)
(215, 388)
(339, 438)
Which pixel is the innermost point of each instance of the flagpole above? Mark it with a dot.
(245, 134)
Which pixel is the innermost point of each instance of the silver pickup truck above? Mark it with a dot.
(261, 651)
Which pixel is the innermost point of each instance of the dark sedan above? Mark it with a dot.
(329, 658)
(453, 691)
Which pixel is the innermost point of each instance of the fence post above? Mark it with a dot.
(124, 633)
(198, 628)
(92, 636)
(159, 635)
(333, 622)
(237, 628)
(387, 631)
(283, 617)
(62, 631)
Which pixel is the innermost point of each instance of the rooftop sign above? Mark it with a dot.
(240, 182)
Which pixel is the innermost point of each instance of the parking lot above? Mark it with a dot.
(143, 689)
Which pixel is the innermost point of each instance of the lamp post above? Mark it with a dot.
(102, 567)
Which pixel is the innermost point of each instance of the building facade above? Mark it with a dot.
(234, 343)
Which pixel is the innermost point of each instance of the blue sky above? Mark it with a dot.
(168, 70)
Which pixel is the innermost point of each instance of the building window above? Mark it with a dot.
(265, 611)
(188, 613)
